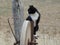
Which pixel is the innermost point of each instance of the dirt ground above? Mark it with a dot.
(49, 27)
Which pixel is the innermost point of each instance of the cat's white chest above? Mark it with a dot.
(34, 17)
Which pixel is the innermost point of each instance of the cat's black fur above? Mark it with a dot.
(32, 10)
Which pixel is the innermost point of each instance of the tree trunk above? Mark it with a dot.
(18, 17)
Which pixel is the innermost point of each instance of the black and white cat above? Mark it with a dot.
(34, 16)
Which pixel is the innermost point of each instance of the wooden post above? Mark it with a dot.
(26, 33)
(32, 30)
(18, 14)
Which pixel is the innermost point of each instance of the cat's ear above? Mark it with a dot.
(31, 6)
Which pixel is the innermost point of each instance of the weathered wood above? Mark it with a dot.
(17, 8)
(32, 30)
(26, 33)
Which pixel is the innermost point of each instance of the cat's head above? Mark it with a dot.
(32, 9)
